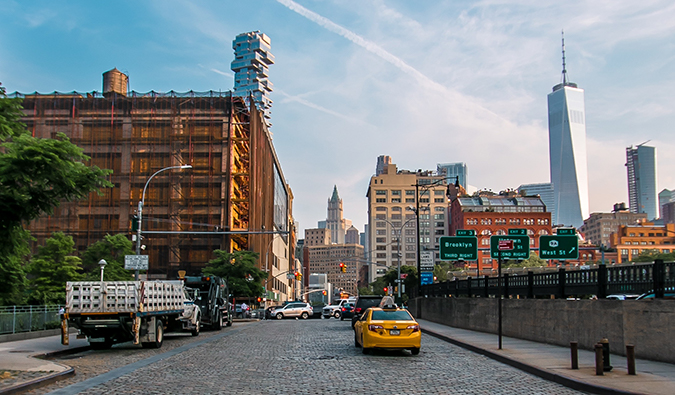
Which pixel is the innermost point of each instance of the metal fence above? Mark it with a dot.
(601, 281)
(14, 319)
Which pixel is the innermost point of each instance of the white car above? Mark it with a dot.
(334, 309)
(294, 309)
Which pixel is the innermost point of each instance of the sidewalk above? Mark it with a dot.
(20, 368)
(554, 363)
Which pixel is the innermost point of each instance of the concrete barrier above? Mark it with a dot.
(648, 324)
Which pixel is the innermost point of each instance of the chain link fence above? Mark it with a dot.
(15, 319)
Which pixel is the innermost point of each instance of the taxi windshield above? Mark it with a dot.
(393, 315)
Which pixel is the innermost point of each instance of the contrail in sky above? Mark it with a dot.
(318, 107)
(382, 53)
(360, 41)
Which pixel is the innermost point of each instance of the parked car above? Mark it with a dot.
(387, 327)
(346, 311)
(622, 297)
(269, 312)
(295, 309)
(362, 303)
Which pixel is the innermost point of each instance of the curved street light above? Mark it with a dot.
(398, 248)
(140, 208)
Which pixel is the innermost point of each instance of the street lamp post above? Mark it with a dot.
(102, 263)
(140, 208)
(267, 251)
(417, 214)
(398, 248)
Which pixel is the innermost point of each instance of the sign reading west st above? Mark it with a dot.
(455, 248)
(519, 250)
(558, 247)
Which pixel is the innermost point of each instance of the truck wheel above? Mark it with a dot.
(159, 337)
(195, 331)
(280, 316)
(218, 325)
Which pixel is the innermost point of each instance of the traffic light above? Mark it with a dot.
(385, 289)
(298, 276)
(343, 267)
(259, 299)
(134, 223)
(324, 292)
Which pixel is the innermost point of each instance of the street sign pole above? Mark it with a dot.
(499, 308)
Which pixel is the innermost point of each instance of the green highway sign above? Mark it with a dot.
(454, 248)
(566, 231)
(517, 232)
(465, 232)
(521, 247)
(558, 247)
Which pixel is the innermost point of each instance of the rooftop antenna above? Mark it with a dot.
(639, 145)
(564, 71)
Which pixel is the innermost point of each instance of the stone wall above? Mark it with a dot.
(649, 324)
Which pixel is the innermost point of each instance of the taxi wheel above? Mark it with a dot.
(415, 351)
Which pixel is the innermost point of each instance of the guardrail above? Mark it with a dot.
(15, 319)
(605, 280)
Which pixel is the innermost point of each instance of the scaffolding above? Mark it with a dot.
(229, 188)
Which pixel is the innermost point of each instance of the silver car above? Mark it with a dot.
(294, 309)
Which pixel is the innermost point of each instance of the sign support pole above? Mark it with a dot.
(499, 308)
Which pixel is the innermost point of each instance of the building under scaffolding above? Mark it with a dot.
(235, 184)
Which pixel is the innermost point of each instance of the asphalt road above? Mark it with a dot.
(291, 357)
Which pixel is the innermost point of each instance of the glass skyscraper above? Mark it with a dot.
(567, 152)
(252, 58)
(641, 168)
(454, 170)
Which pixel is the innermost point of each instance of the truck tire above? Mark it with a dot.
(218, 325)
(195, 331)
(159, 337)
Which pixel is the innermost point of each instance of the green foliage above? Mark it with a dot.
(50, 269)
(390, 276)
(532, 261)
(241, 271)
(651, 256)
(441, 271)
(365, 291)
(112, 249)
(35, 175)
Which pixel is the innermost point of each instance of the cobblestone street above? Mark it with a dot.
(292, 357)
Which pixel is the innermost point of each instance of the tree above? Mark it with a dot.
(35, 176)
(441, 271)
(651, 256)
(532, 261)
(240, 270)
(389, 278)
(112, 248)
(50, 269)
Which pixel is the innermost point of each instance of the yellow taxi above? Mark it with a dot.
(387, 327)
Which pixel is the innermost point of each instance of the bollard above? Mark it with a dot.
(598, 360)
(630, 358)
(605, 355)
(574, 349)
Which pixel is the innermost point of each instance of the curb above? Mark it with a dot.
(544, 374)
(39, 382)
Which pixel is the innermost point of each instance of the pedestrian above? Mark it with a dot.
(244, 310)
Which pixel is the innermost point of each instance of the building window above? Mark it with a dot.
(380, 224)
(442, 209)
(380, 216)
(381, 232)
(381, 192)
(380, 200)
(410, 200)
(395, 209)
(381, 255)
(440, 231)
(396, 216)
(409, 192)
(396, 200)
(410, 247)
(424, 200)
(381, 248)
(439, 216)
(485, 241)
(485, 232)
(396, 193)
(440, 224)
(439, 200)
(381, 240)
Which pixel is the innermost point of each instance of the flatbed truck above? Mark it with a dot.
(109, 312)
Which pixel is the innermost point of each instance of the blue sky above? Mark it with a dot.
(424, 82)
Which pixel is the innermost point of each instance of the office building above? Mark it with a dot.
(545, 192)
(326, 259)
(633, 240)
(335, 223)
(598, 227)
(392, 226)
(665, 196)
(641, 168)
(454, 171)
(567, 151)
(236, 183)
(252, 58)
